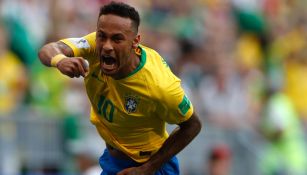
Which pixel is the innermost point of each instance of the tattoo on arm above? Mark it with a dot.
(66, 50)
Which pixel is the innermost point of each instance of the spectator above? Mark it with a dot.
(13, 77)
(286, 149)
(219, 160)
(13, 82)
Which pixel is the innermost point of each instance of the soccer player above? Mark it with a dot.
(132, 91)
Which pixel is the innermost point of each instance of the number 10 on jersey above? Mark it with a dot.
(105, 108)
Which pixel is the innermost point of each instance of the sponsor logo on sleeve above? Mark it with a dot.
(185, 105)
(80, 43)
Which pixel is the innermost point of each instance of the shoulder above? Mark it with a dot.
(151, 54)
(148, 50)
(82, 46)
(90, 37)
(154, 61)
(83, 42)
(158, 73)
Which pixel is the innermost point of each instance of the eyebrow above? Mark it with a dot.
(118, 33)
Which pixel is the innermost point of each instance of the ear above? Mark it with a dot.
(136, 41)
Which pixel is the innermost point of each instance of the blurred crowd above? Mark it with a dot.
(242, 63)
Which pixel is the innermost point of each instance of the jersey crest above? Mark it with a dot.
(131, 103)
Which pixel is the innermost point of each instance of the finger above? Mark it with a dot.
(74, 68)
(70, 72)
(81, 70)
(77, 72)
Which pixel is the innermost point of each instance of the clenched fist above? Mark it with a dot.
(73, 66)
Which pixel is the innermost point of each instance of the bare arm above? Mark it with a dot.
(177, 141)
(70, 66)
(50, 50)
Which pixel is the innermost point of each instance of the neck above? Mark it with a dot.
(131, 66)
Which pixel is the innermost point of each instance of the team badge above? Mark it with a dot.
(131, 103)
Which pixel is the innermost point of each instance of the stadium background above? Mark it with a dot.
(243, 64)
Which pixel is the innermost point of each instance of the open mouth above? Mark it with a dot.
(108, 63)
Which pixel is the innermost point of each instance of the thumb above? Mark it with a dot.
(86, 65)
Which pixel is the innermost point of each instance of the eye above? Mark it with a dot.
(117, 38)
(101, 36)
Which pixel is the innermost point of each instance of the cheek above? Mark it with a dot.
(123, 59)
(123, 54)
(98, 47)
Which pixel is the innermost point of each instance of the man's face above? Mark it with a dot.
(115, 43)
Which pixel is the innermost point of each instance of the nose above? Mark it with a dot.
(107, 46)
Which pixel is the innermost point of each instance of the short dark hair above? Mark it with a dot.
(123, 10)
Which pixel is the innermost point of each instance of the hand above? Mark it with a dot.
(73, 67)
(135, 171)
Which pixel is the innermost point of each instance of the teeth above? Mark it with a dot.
(108, 60)
(108, 66)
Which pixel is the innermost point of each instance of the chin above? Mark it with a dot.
(109, 72)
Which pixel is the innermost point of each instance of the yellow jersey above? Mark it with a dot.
(131, 113)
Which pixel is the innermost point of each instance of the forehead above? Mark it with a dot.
(112, 23)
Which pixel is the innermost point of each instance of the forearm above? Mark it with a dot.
(56, 55)
(50, 50)
(177, 141)
(47, 52)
